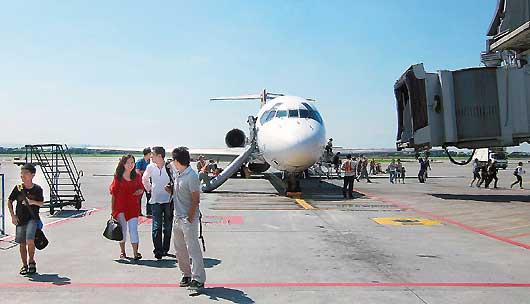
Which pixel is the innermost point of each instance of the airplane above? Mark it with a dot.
(288, 133)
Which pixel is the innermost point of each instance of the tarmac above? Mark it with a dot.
(438, 242)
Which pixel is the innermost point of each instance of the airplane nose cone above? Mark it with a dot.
(297, 146)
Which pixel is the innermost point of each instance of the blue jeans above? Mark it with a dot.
(162, 226)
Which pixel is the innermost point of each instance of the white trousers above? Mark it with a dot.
(186, 241)
(132, 224)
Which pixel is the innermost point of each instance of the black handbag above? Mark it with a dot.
(113, 230)
(40, 240)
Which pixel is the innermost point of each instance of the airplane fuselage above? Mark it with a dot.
(290, 133)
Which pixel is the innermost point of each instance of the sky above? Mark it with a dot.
(137, 73)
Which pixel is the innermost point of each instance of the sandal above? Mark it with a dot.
(32, 268)
(24, 270)
(123, 256)
(138, 256)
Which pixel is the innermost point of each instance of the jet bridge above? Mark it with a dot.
(477, 107)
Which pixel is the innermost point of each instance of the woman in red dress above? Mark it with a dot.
(125, 189)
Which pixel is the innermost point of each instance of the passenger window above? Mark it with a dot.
(304, 113)
(271, 115)
(293, 113)
(281, 113)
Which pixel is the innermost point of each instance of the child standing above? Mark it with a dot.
(25, 217)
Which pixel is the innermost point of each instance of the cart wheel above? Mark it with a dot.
(78, 204)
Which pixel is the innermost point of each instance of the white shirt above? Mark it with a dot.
(154, 180)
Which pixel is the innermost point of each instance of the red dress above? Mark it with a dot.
(124, 199)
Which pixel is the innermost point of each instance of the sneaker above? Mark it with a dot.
(185, 282)
(195, 285)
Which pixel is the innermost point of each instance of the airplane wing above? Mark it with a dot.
(218, 154)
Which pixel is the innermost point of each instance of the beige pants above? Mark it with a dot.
(186, 240)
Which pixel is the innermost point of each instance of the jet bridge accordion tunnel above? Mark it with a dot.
(469, 108)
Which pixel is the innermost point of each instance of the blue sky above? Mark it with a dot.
(124, 73)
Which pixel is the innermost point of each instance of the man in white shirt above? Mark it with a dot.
(155, 179)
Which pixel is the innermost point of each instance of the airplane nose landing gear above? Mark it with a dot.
(293, 183)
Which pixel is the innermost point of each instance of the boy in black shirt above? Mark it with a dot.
(29, 199)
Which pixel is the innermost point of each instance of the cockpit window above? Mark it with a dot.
(293, 113)
(307, 106)
(271, 115)
(315, 115)
(304, 113)
(263, 118)
(281, 113)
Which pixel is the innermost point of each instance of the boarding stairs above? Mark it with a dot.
(60, 172)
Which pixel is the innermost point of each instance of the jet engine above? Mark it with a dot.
(235, 138)
(258, 167)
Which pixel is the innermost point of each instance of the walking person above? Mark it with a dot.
(25, 217)
(519, 174)
(427, 164)
(125, 190)
(364, 170)
(483, 173)
(186, 226)
(155, 179)
(392, 170)
(349, 167)
(403, 173)
(399, 168)
(336, 163)
(372, 167)
(476, 172)
(492, 175)
(421, 173)
(141, 165)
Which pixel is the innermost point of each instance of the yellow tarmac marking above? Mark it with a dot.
(407, 221)
(304, 204)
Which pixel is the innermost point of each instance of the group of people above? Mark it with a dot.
(486, 173)
(396, 171)
(174, 205)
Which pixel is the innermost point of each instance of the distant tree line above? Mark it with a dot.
(73, 151)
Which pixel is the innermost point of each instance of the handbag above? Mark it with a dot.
(113, 230)
(40, 239)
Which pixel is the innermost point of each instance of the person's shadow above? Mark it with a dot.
(165, 263)
(53, 278)
(210, 263)
(233, 295)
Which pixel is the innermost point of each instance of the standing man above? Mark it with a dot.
(25, 217)
(336, 163)
(329, 147)
(155, 179)
(423, 168)
(186, 229)
(141, 165)
(392, 167)
(349, 168)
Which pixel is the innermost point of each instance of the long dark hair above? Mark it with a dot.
(121, 167)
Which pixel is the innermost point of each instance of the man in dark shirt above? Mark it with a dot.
(25, 217)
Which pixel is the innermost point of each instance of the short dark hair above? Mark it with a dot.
(147, 151)
(348, 156)
(160, 151)
(182, 155)
(30, 167)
